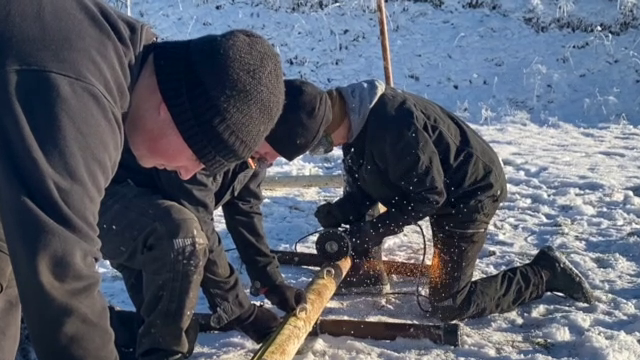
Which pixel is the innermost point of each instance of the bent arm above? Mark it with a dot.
(60, 142)
(243, 216)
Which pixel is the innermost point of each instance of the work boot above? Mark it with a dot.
(191, 333)
(561, 277)
(367, 275)
(125, 326)
(257, 322)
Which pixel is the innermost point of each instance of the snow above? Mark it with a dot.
(560, 107)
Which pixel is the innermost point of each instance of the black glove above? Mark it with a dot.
(285, 297)
(328, 216)
(362, 239)
(367, 235)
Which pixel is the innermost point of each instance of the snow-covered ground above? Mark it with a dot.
(561, 107)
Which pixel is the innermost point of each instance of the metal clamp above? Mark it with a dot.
(328, 272)
(302, 310)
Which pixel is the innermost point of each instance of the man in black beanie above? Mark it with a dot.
(76, 77)
(420, 160)
(158, 231)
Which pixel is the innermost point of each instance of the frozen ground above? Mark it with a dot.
(560, 107)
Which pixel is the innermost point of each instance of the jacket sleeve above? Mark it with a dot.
(196, 194)
(411, 163)
(60, 141)
(355, 202)
(243, 216)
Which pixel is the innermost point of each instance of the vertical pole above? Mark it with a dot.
(384, 42)
(388, 77)
(129, 7)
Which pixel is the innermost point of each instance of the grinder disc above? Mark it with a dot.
(333, 245)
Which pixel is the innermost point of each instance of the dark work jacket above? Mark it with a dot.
(237, 191)
(66, 72)
(418, 160)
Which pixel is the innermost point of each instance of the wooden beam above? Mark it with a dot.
(286, 341)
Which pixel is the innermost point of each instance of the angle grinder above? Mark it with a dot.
(333, 245)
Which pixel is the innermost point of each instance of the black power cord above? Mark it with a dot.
(295, 245)
(419, 279)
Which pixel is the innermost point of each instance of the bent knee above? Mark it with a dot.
(177, 222)
(177, 232)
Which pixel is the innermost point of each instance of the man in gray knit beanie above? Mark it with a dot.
(224, 93)
(77, 80)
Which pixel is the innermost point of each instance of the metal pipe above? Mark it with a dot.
(447, 334)
(399, 268)
(302, 181)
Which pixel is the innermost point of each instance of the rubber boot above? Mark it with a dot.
(561, 277)
(367, 275)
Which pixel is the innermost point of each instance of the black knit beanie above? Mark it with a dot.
(224, 93)
(306, 112)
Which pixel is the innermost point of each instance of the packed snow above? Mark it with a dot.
(554, 86)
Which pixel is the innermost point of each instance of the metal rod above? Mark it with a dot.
(447, 334)
(399, 268)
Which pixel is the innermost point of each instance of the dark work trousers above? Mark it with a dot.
(164, 257)
(458, 237)
(160, 250)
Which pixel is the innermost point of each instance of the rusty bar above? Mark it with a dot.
(314, 260)
(285, 342)
(447, 334)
